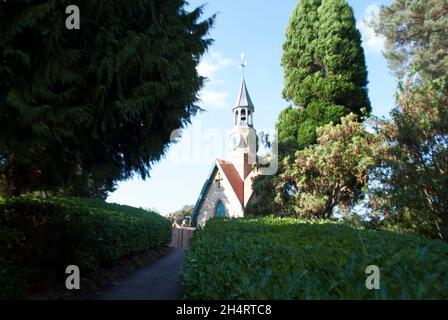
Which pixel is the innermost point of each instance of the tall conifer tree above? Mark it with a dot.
(81, 109)
(324, 68)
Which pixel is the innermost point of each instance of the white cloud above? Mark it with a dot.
(207, 69)
(372, 42)
(215, 99)
(212, 96)
(213, 64)
(223, 62)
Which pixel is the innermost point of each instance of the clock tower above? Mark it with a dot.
(229, 187)
(243, 137)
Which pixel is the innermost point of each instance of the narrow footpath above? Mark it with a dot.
(157, 281)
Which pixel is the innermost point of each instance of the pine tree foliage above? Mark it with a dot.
(324, 70)
(299, 52)
(342, 79)
(416, 37)
(323, 59)
(297, 127)
(81, 109)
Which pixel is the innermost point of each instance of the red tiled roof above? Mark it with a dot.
(234, 179)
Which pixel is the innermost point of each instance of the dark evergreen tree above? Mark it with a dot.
(299, 58)
(342, 75)
(81, 109)
(416, 38)
(324, 67)
(297, 126)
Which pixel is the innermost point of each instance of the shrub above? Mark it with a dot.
(11, 285)
(272, 258)
(332, 173)
(56, 232)
(413, 175)
(11, 281)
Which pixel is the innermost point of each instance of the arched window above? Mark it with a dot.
(220, 210)
(243, 117)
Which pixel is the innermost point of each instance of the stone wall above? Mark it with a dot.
(224, 193)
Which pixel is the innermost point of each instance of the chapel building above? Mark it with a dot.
(228, 188)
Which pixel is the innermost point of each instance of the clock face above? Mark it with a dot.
(235, 141)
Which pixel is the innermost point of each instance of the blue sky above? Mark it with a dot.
(257, 29)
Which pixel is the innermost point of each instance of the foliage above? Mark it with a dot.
(299, 259)
(11, 279)
(180, 214)
(81, 109)
(416, 41)
(325, 78)
(414, 173)
(414, 170)
(10, 283)
(262, 201)
(47, 235)
(322, 56)
(296, 127)
(332, 173)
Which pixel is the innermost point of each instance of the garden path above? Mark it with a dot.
(157, 281)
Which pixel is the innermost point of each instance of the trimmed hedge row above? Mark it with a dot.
(271, 258)
(40, 237)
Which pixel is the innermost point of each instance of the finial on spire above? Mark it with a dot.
(243, 63)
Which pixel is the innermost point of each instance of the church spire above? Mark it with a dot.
(244, 108)
(243, 100)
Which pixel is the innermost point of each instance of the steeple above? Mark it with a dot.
(243, 100)
(244, 108)
(243, 138)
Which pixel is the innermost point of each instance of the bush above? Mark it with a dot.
(271, 258)
(52, 233)
(332, 173)
(11, 282)
(11, 285)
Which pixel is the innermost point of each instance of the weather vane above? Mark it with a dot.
(243, 63)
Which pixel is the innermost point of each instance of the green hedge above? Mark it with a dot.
(11, 277)
(40, 237)
(271, 258)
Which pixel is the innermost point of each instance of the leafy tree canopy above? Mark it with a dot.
(81, 109)
(414, 168)
(185, 211)
(332, 173)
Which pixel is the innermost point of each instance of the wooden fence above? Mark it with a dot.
(181, 237)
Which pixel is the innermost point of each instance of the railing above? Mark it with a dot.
(181, 236)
